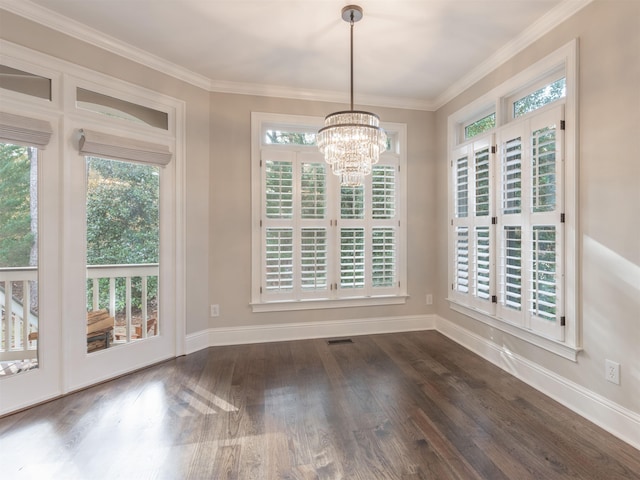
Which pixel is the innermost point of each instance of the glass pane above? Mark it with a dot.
(543, 174)
(352, 258)
(541, 97)
(314, 259)
(18, 258)
(543, 273)
(482, 182)
(116, 108)
(384, 257)
(279, 259)
(462, 260)
(384, 191)
(123, 244)
(480, 126)
(512, 176)
(313, 190)
(25, 82)
(277, 137)
(482, 264)
(279, 189)
(512, 268)
(352, 202)
(462, 187)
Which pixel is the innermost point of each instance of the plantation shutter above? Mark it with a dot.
(278, 233)
(295, 225)
(473, 259)
(104, 145)
(313, 244)
(26, 131)
(545, 302)
(531, 265)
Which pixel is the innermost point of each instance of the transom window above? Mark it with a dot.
(317, 244)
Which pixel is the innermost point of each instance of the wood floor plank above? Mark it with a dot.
(400, 406)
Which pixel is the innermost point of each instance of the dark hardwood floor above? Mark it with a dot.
(396, 406)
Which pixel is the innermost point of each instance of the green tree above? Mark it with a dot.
(122, 213)
(16, 238)
(122, 222)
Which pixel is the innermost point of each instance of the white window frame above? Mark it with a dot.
(68, 214)
(333, 297)
(561, 62)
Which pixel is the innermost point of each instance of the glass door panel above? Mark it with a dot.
(19, 306)
(123, 245)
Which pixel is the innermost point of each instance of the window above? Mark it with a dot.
(512, 190)
(26, 83)
(477, 127)
(317, 244)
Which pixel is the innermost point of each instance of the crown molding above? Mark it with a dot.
(55, 21)
(545, 24)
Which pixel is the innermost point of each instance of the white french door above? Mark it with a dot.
(30, 264)
(120, 263)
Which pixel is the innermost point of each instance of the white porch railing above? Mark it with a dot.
(124, 333)
(14, 330)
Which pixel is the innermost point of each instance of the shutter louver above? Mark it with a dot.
(512, 176)
(279, 259)
(482, 263)
(279, 189)
(462, 260)
(482, 182)
(313, 254)
(313, 191)
(462, 187)
(384, 257)
(352, 271)
(543, 169)
(543, 273)
(383, 191)
(511, 268)
(27, 131)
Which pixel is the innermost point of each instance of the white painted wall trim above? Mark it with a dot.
(301, 331)
(617, 420)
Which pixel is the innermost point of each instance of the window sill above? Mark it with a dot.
(291, 305)
(559, 348)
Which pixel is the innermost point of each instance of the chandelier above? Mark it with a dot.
(351, 140)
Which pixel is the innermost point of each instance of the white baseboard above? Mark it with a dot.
(617, 420)
(300, 331)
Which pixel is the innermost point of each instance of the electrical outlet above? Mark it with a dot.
(429, 299)
(612, 371)
(215, 310)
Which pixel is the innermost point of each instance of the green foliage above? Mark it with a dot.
(122, 223)
(122, 213)
(480, 126)
(276, 137)
(540, 98)
(16, 238)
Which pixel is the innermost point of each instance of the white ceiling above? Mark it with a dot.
(409, 53)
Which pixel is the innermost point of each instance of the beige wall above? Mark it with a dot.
(23, 32)
(609, 200)
(218, 201)
(230, 179)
